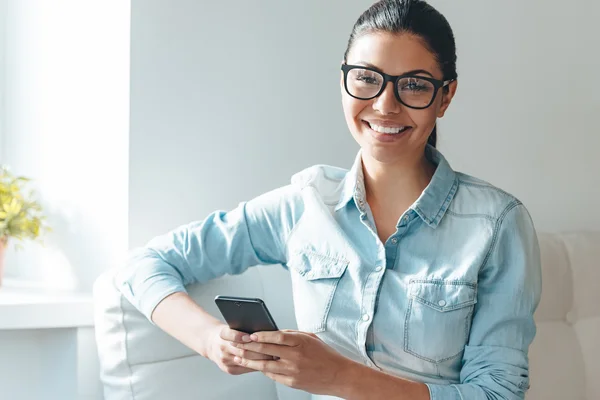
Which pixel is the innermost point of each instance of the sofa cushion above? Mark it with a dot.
(564, 354)
(138, 360)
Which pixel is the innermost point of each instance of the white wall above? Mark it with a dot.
(229, 99)
(67, 109)
(526, 114)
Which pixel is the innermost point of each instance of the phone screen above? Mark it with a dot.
(245, 314)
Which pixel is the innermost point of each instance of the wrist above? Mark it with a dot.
(350, 373)
(357, 381)
(208, 334)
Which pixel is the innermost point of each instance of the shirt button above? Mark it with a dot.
(394, 240)
(379, 269)
(442, 303)
(406, 218)
(366, 317)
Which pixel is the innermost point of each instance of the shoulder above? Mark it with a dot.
(317, 175)
(512, 234)
(323, 181)
(475, 196)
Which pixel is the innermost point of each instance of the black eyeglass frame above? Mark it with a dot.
(437, 84)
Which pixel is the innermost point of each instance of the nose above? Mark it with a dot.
(386, 103)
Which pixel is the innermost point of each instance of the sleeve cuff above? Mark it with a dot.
(443, 392)
(152, 295)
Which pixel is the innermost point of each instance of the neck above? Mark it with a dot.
(398, 184)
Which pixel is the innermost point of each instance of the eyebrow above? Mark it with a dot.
(413, 72)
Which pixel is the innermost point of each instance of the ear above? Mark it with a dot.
(447, 97)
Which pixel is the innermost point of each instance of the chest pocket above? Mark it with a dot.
(315, 278)
(438, 318)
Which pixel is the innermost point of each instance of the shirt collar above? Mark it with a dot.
(430, 206)
(353, 185)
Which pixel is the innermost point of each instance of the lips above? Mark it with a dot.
(386, 137)
(388, 128)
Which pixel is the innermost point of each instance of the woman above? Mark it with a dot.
(411, 280)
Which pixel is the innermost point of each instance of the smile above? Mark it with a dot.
(387, 129)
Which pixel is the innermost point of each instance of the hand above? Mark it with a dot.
(222, 350)
(301, 361)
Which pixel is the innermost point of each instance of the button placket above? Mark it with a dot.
(367, 308)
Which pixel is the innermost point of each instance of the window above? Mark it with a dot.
(64, 121)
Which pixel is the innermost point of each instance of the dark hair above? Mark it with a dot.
(414, 17)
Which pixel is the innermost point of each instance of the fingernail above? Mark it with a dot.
(237, 359)
(246, 338)
(254, 337)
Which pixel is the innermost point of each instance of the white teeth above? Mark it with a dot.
(382, 129)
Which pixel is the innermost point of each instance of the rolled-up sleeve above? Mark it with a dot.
(223, 243)
(495, 361)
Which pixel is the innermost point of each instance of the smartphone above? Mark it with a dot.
(246, 314)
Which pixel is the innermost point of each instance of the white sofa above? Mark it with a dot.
(139, 361)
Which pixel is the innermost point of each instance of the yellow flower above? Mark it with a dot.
(20, 216)
(13, 207)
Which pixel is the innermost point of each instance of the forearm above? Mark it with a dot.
(358, 382)
(179, 316)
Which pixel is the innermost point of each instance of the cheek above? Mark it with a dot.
(426, 117)
(353, 108)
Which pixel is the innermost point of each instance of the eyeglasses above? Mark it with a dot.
(413, 91)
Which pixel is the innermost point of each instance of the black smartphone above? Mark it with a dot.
(245, 314)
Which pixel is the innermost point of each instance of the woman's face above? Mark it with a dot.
(394, 55)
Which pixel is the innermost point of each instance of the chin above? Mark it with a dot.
(384, 155)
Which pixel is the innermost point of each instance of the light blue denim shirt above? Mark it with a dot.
(448, 300)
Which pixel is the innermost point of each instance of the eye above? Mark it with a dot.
(367, 77)
(415, 85)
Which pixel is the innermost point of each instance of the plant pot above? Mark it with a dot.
(3, 245)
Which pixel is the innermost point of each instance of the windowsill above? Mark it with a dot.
(23, 307)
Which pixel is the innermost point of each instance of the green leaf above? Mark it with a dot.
(21, 215)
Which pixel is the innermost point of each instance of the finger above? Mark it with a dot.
(236, 370)
(279, 378)
(274, 350)
(275, 367)
(311, 334)
(276, 337)
(232, 335)
(249, 354)
(233, 368)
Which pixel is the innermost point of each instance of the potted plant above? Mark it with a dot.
(21, 216)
